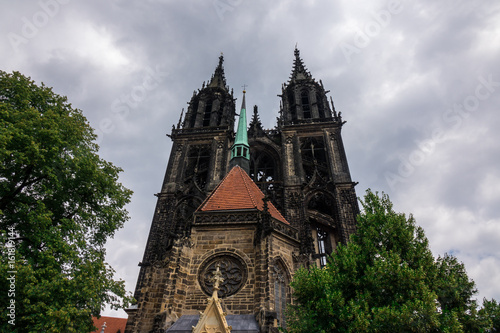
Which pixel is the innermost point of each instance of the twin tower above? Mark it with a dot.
(254, 206)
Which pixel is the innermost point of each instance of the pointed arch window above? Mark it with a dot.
(321, 203)
(194, 112)
(292, 104)
(265, 172)
(197, 165)
(326, 237)
(314, 157)
(280, 286)
(207, 114)
(324, 246)
(262, 170)
(321, 105)
(306, 107)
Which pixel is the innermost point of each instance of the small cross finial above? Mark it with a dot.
(244, 86)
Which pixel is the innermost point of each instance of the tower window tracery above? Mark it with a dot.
(321, 105)
(321, 203)
(262, 170)
(198, 162)
(280, 294)
(194, 111)
(324, 245)
(292, 105)
(306, 107)
(207, 114)
(314, 157)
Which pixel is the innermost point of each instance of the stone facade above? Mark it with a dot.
(300, 166)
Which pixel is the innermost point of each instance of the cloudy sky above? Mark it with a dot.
(417, 83)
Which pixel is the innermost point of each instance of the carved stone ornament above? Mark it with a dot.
(161, 263)
(233, 270)
(302, 260)
(295, 199)
(289, 139)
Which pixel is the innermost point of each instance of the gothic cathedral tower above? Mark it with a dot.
(255, 204)
(303, 166)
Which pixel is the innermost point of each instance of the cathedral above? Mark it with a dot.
(240, 211)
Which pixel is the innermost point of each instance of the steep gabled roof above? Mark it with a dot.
(237, 191)
(113, 324)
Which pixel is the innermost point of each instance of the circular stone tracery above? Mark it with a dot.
(233, 270)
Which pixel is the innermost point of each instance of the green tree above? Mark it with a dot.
(59, 202)
(385, 280)
(490, 315)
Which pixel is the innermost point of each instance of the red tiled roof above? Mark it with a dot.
(238, 191)
(113, 324)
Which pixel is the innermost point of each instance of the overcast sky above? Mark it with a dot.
(418, 84)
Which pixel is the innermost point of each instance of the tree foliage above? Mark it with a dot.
(387, 280)
(59, 202)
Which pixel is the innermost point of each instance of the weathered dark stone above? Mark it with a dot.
(300, 166)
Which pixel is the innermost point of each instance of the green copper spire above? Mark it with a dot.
(241, 133)
(240, 151)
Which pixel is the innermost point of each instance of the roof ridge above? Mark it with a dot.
(212, 193)
(230, 194)
(279, 213)
(247, 188)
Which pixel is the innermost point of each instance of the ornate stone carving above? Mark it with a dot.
(184, 241)
(161, 263)
(301, 260)
(284, 229)
(295, 199)
(225, 218)
(233, 270)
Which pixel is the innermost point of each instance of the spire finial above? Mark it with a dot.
(243, 105)
(218, 78)
(221, 59)
(299, 70)
(296, 52)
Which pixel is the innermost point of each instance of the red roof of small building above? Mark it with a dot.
(237, 191)
(113, 324)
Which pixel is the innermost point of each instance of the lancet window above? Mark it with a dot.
(314, 157)
(306, 107)
(280, 294)
(198, 162)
